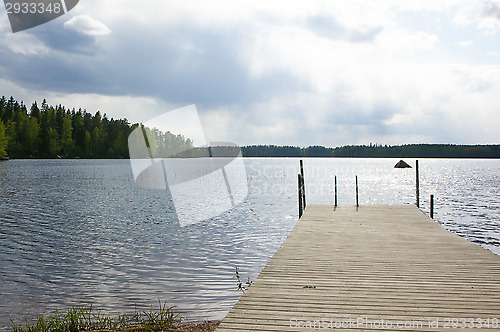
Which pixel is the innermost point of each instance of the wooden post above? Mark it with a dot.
(417, 184)
(357, 196)
(303, 186)
(432, 207)
(300, 195)
(303, 183)
(335, 190)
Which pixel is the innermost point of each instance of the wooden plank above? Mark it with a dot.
(375, 263)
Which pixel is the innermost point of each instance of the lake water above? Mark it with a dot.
(80, 232)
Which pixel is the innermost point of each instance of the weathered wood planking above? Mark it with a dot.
(372, 268)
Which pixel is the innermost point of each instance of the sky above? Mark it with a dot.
(298, 73)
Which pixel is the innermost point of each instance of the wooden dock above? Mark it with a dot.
(379, 268)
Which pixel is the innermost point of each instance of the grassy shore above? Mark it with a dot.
(76, 319)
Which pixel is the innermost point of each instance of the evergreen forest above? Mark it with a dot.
(56, 132)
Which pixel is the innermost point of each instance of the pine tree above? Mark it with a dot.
(35, 111)
(12, 143)
(78, 133)
(67, 142)
(32, 137)
(87, 145)
(3, 142)
(54, 144)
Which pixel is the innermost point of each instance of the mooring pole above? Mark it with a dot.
(303, 186)
(432, 207)
(357, 196)
(335, 190)
(303, 183)
(417, 184)
(300, 195)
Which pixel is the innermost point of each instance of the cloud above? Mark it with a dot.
(327, 26)
(403, 40)
(24, 44)
(427, 103)
(485, 15)
(490, 17)
(491, 9)
(123, 106)
(269, 72)
(87, 25)
(68, 41)
(465, 43)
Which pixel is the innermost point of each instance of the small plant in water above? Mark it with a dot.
(88, 319)
(242, 286)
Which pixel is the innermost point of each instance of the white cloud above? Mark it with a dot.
(490, 16)
(465, 43)
(485, 15)
(87, 25)
(390, 104)
(403, 40)
(398, 119)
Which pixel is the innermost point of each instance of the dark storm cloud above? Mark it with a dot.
(184, 65)
(67, 66)
(179, 66)
(189, 65)
(67, 41)
(62, 73)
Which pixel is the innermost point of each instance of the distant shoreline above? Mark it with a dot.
(442, 151)
(271, 157)
(410, 151)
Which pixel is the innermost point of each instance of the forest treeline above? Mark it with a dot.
(56, 132)
(377, 151)
(419, 151)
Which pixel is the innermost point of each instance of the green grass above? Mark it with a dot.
(242, 286)
(90, 319)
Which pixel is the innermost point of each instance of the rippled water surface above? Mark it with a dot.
(76, 232)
